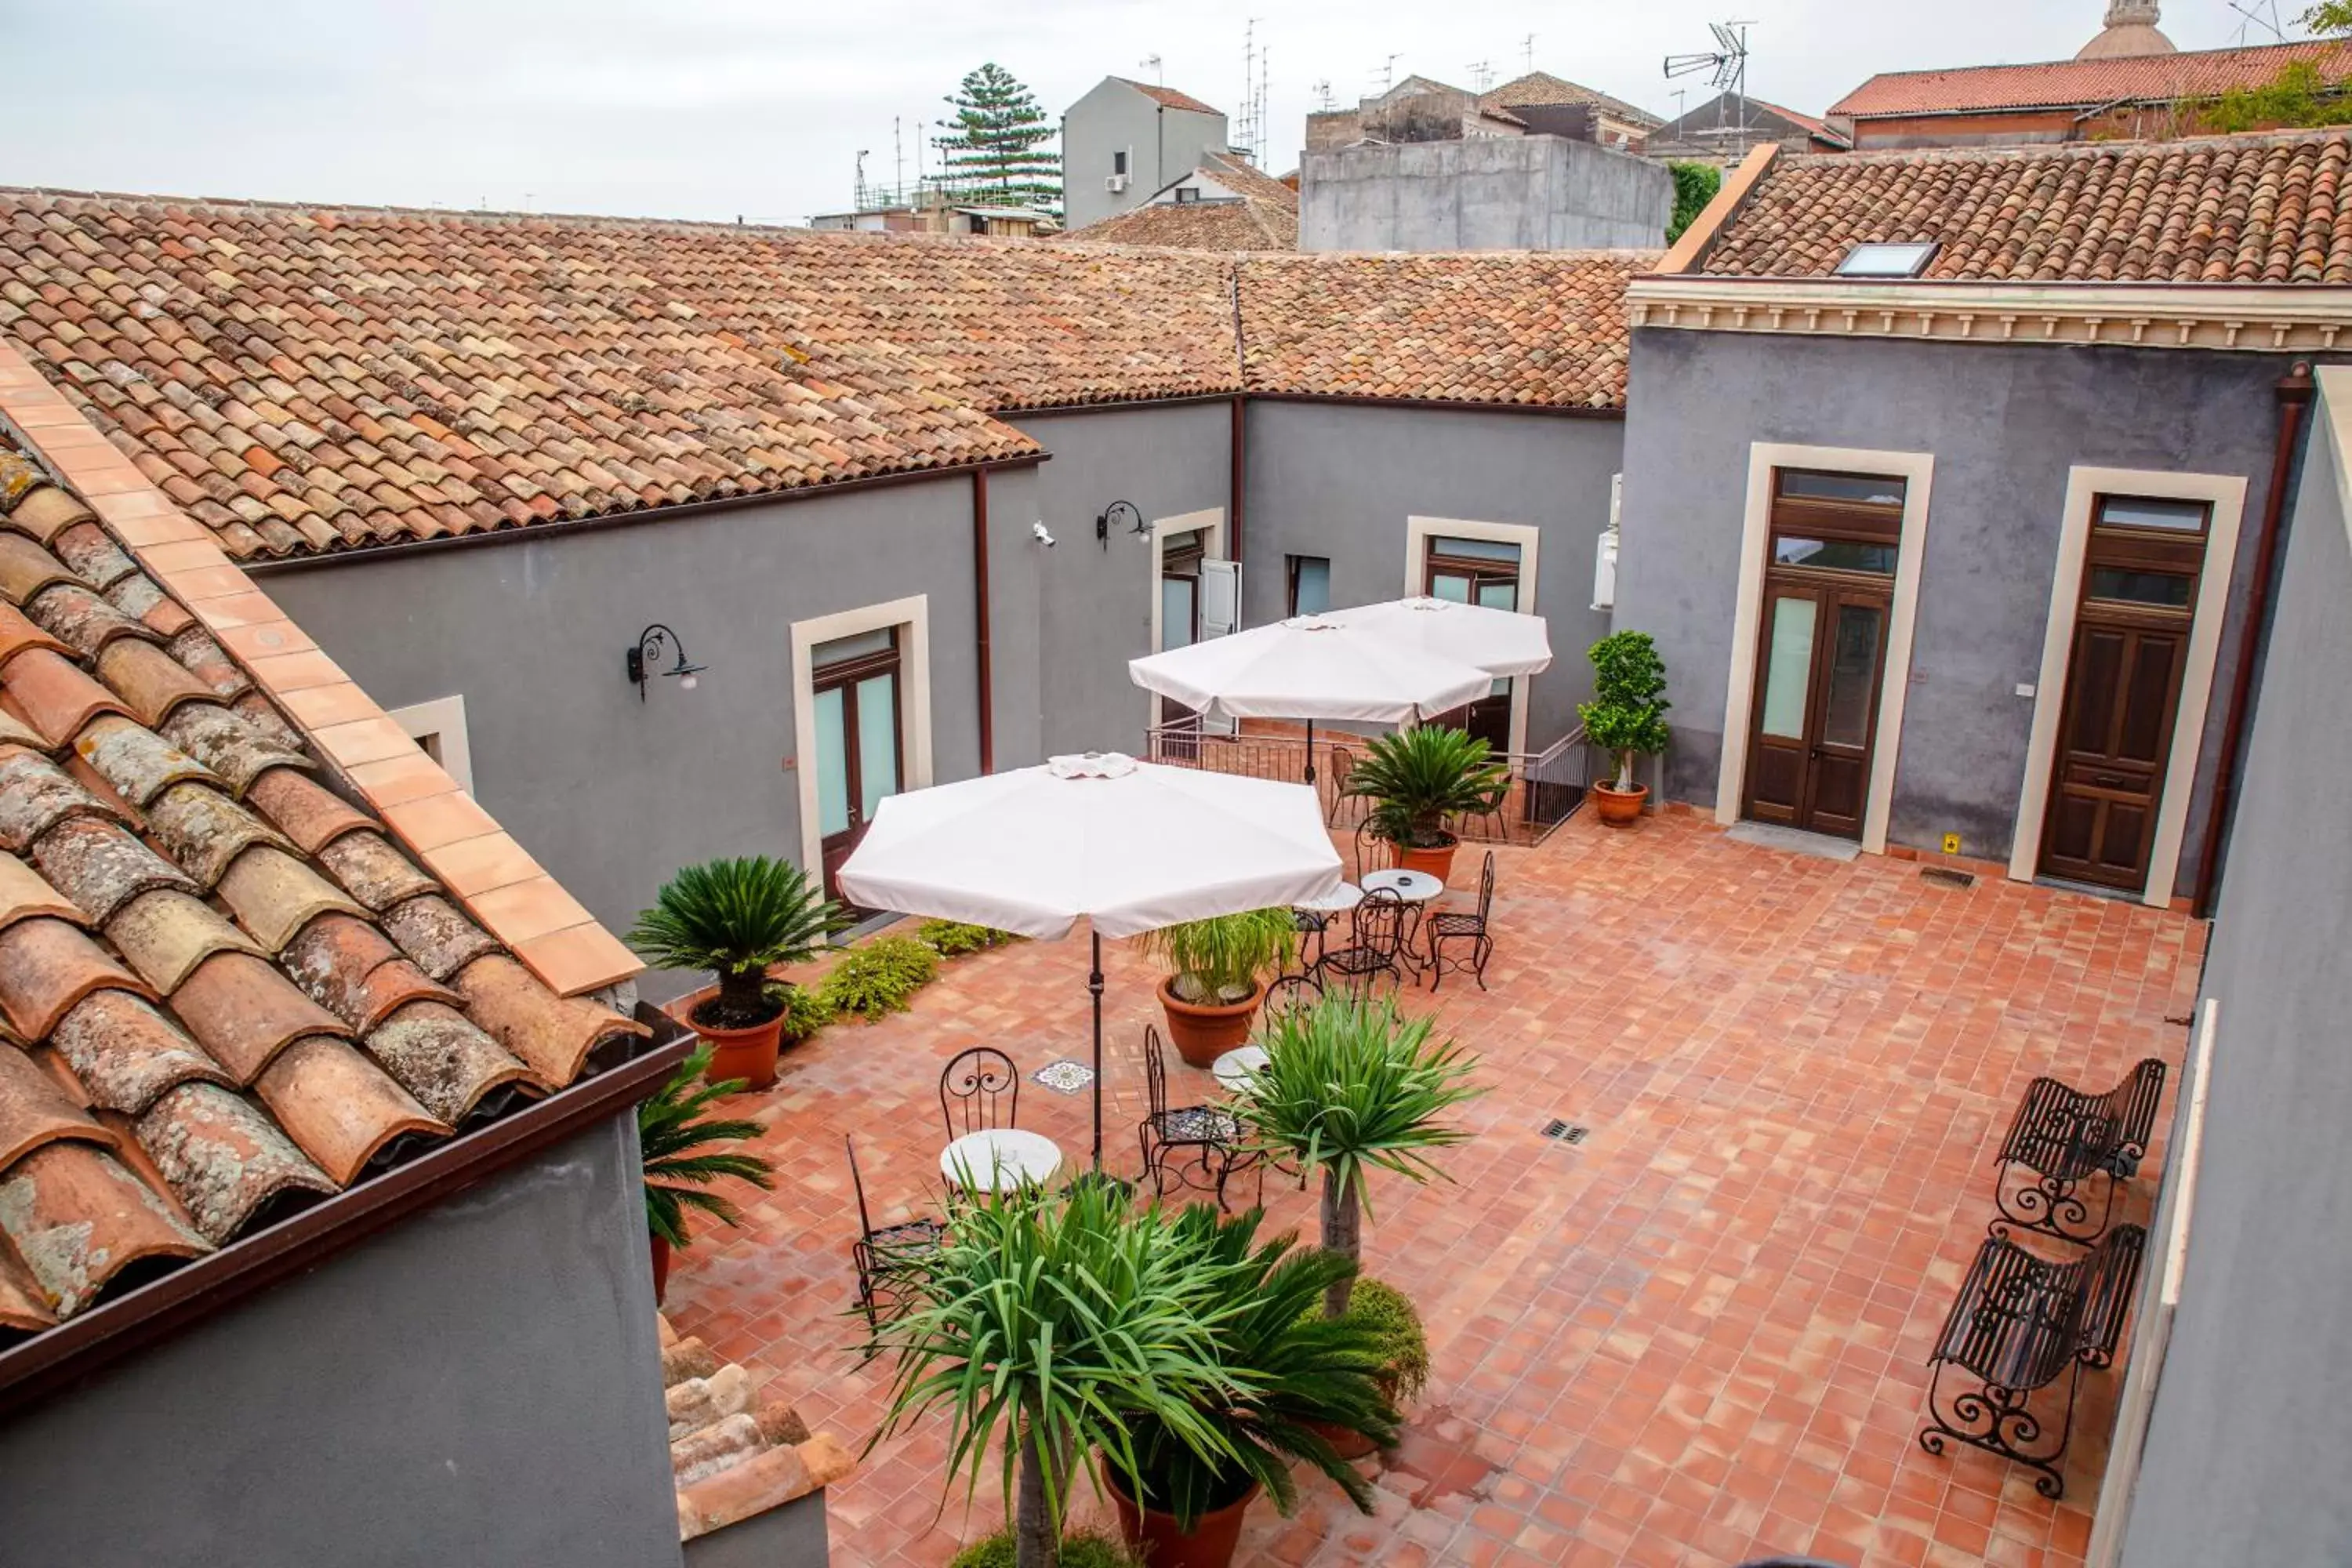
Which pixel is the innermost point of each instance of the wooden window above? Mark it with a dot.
(1310, 584)
(860, 737)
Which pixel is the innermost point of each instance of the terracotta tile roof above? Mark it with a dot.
(1169, 98)
(1819, 129)
(218, 1004)
(2251, 209)
(2083, 84)
(1246, 179)
(1543, 88)
(1542, 329)
(733, 1455)
(1248, 224)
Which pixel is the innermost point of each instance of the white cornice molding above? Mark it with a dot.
(2259, 318)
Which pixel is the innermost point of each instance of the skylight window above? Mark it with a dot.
(1871, 259)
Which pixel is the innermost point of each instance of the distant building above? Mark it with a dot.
(1125, 141)
(1727, 128)
(929, 211)
(2127, 82)
(1418, 108)
(1551, 106)
(1227, 204)
(1491, 193)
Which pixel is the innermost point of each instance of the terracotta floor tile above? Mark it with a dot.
(1695, 1338)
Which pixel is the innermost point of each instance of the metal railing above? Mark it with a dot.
(1545, 786)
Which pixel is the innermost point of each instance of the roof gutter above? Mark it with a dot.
(59, 1357)
(1458, 405)
(529, 533)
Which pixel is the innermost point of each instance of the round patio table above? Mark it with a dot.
(1415, 889)
(1338, 901)
(999, 1159)
(1238, 1066)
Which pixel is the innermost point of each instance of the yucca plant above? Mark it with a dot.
(1049, 1325)
(735, 918)
(1293, 1369)
(1417, 778)
(676, 1141)
(1220, 959)
(1350, 1084)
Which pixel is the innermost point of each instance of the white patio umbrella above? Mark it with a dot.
(1503, 642)
(1129, 845)
(1310, 668)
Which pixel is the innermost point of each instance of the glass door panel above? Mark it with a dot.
(877, 742)
(1789, 673)
(1449, 585)
(1178, 614)
(831, 765)
(1854, 675)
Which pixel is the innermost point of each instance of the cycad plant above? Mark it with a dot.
(1293, 1370)
(1416, 778)
(735, 918)
(1046, 1326)
(675, 1140)
(1350, 1084)
(1220, 959)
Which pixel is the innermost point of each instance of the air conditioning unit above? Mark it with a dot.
(1114, 184)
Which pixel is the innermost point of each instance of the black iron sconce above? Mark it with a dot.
(1120, 511)
(652, 643)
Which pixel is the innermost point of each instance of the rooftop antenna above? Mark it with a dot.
(1249, 126)
(1388, 72)
(1681, 103)
(1324, 102)
(857, 183)
(1528, 52)
(897, 162)
(1726, 64)
(2253, 13)
(1482, 74)
(1151, 64)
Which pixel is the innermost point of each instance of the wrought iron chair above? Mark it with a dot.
(973, 1085)
(2022, 1324)
(1444, 926)
(2069, 1140)
(882, 1256)
(1341, 762)
(1298, 990)
(1378, 947)
(1370, 849)
(1493, 825)
(1306, 923)
(1210, 1133)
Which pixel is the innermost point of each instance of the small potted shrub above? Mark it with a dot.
(1216, 969)
(675, 1144)
(1627, 717)
(737, 918)
(1417, 778)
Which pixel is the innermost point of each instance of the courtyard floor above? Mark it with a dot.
(1698, 1336)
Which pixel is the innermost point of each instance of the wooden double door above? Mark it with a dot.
(1816, 713)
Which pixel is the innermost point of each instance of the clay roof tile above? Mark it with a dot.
(102, 866)
(18, 633)
(83, 619)
(126, 1053)
(163, 935)
(151, 680)
(47, 966)
(26, 568)
(224, 1160)
(89, 551)
(210, 663)
(35, 794)
(441, 940)
(55, 696)
(349, 968)
(447, 1063)
(22, 1309)
(307, 812)
(203, 831)
(140, 764)
(46, 512)
(25, 896)
(79, 1220)
(34, 1109)
(275, 895)
(374, 872)
(228, 744)
(244, 1012)
(553, 1034)
(343, 1110)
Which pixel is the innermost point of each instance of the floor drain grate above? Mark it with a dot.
(1561, 1131)
(1947, 876)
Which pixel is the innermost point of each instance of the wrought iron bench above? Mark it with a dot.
(2070, 1142)
(2022, 1324)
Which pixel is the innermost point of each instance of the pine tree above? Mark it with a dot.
(994, 145)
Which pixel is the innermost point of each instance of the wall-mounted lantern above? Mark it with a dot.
(1125, 514)
(652, 643)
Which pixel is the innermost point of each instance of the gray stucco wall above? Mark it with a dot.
(1095, 600)
(611, 794)
(2252, 1434)
(2005, 424)
(1340, 480)
(1161, 143)
(1519, 192)
(793, 1536)
(480, 1383)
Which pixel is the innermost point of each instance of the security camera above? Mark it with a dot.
(1037, 532)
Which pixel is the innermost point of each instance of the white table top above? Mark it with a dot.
(1338, 901)
(1413, 886)
(1237, 1066)
(1000, 1159)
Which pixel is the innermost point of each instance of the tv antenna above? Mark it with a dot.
(1528, 52)
(1388, 72)
(1249, 125)
(1151, 64)
(2261, 14)
(1324, 102)
(1482, 74)
(1726, 64)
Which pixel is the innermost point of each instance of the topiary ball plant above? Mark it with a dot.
(1627, 715)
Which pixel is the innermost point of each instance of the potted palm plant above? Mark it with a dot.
(1417, 778)
(737, 919)
(1297, 1376)
(1350, 1086)
(1216, 977)
(1047, 1327)
(1626, 717)
(676, 1145)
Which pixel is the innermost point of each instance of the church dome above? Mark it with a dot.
(2131, 30)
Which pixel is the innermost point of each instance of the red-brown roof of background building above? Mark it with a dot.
(1168, 96)
(2081, 84)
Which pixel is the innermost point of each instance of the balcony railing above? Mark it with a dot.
(1545, 786)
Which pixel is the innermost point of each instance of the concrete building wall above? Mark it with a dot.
(1526, 193)
(2004, 425)
(2251, 1438)
(480, 1383)
(612, 794)
(1341, 481)
(1095, 600)
(1160, 144)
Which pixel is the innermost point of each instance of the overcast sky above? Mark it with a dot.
(719, 108)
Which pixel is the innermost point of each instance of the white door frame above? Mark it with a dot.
(2226, 494)
(1212, 522)
(1916, 470)
(915, 701)
(1420, 531)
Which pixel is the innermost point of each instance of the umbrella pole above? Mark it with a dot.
(1094, 985)
(1311, 753)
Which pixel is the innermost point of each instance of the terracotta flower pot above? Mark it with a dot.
(1153, 1535)
(1619, 807)
(1346, 1441)
(1203, 1034)
(661, 1266)
(1437, 862)
(747, 1054)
